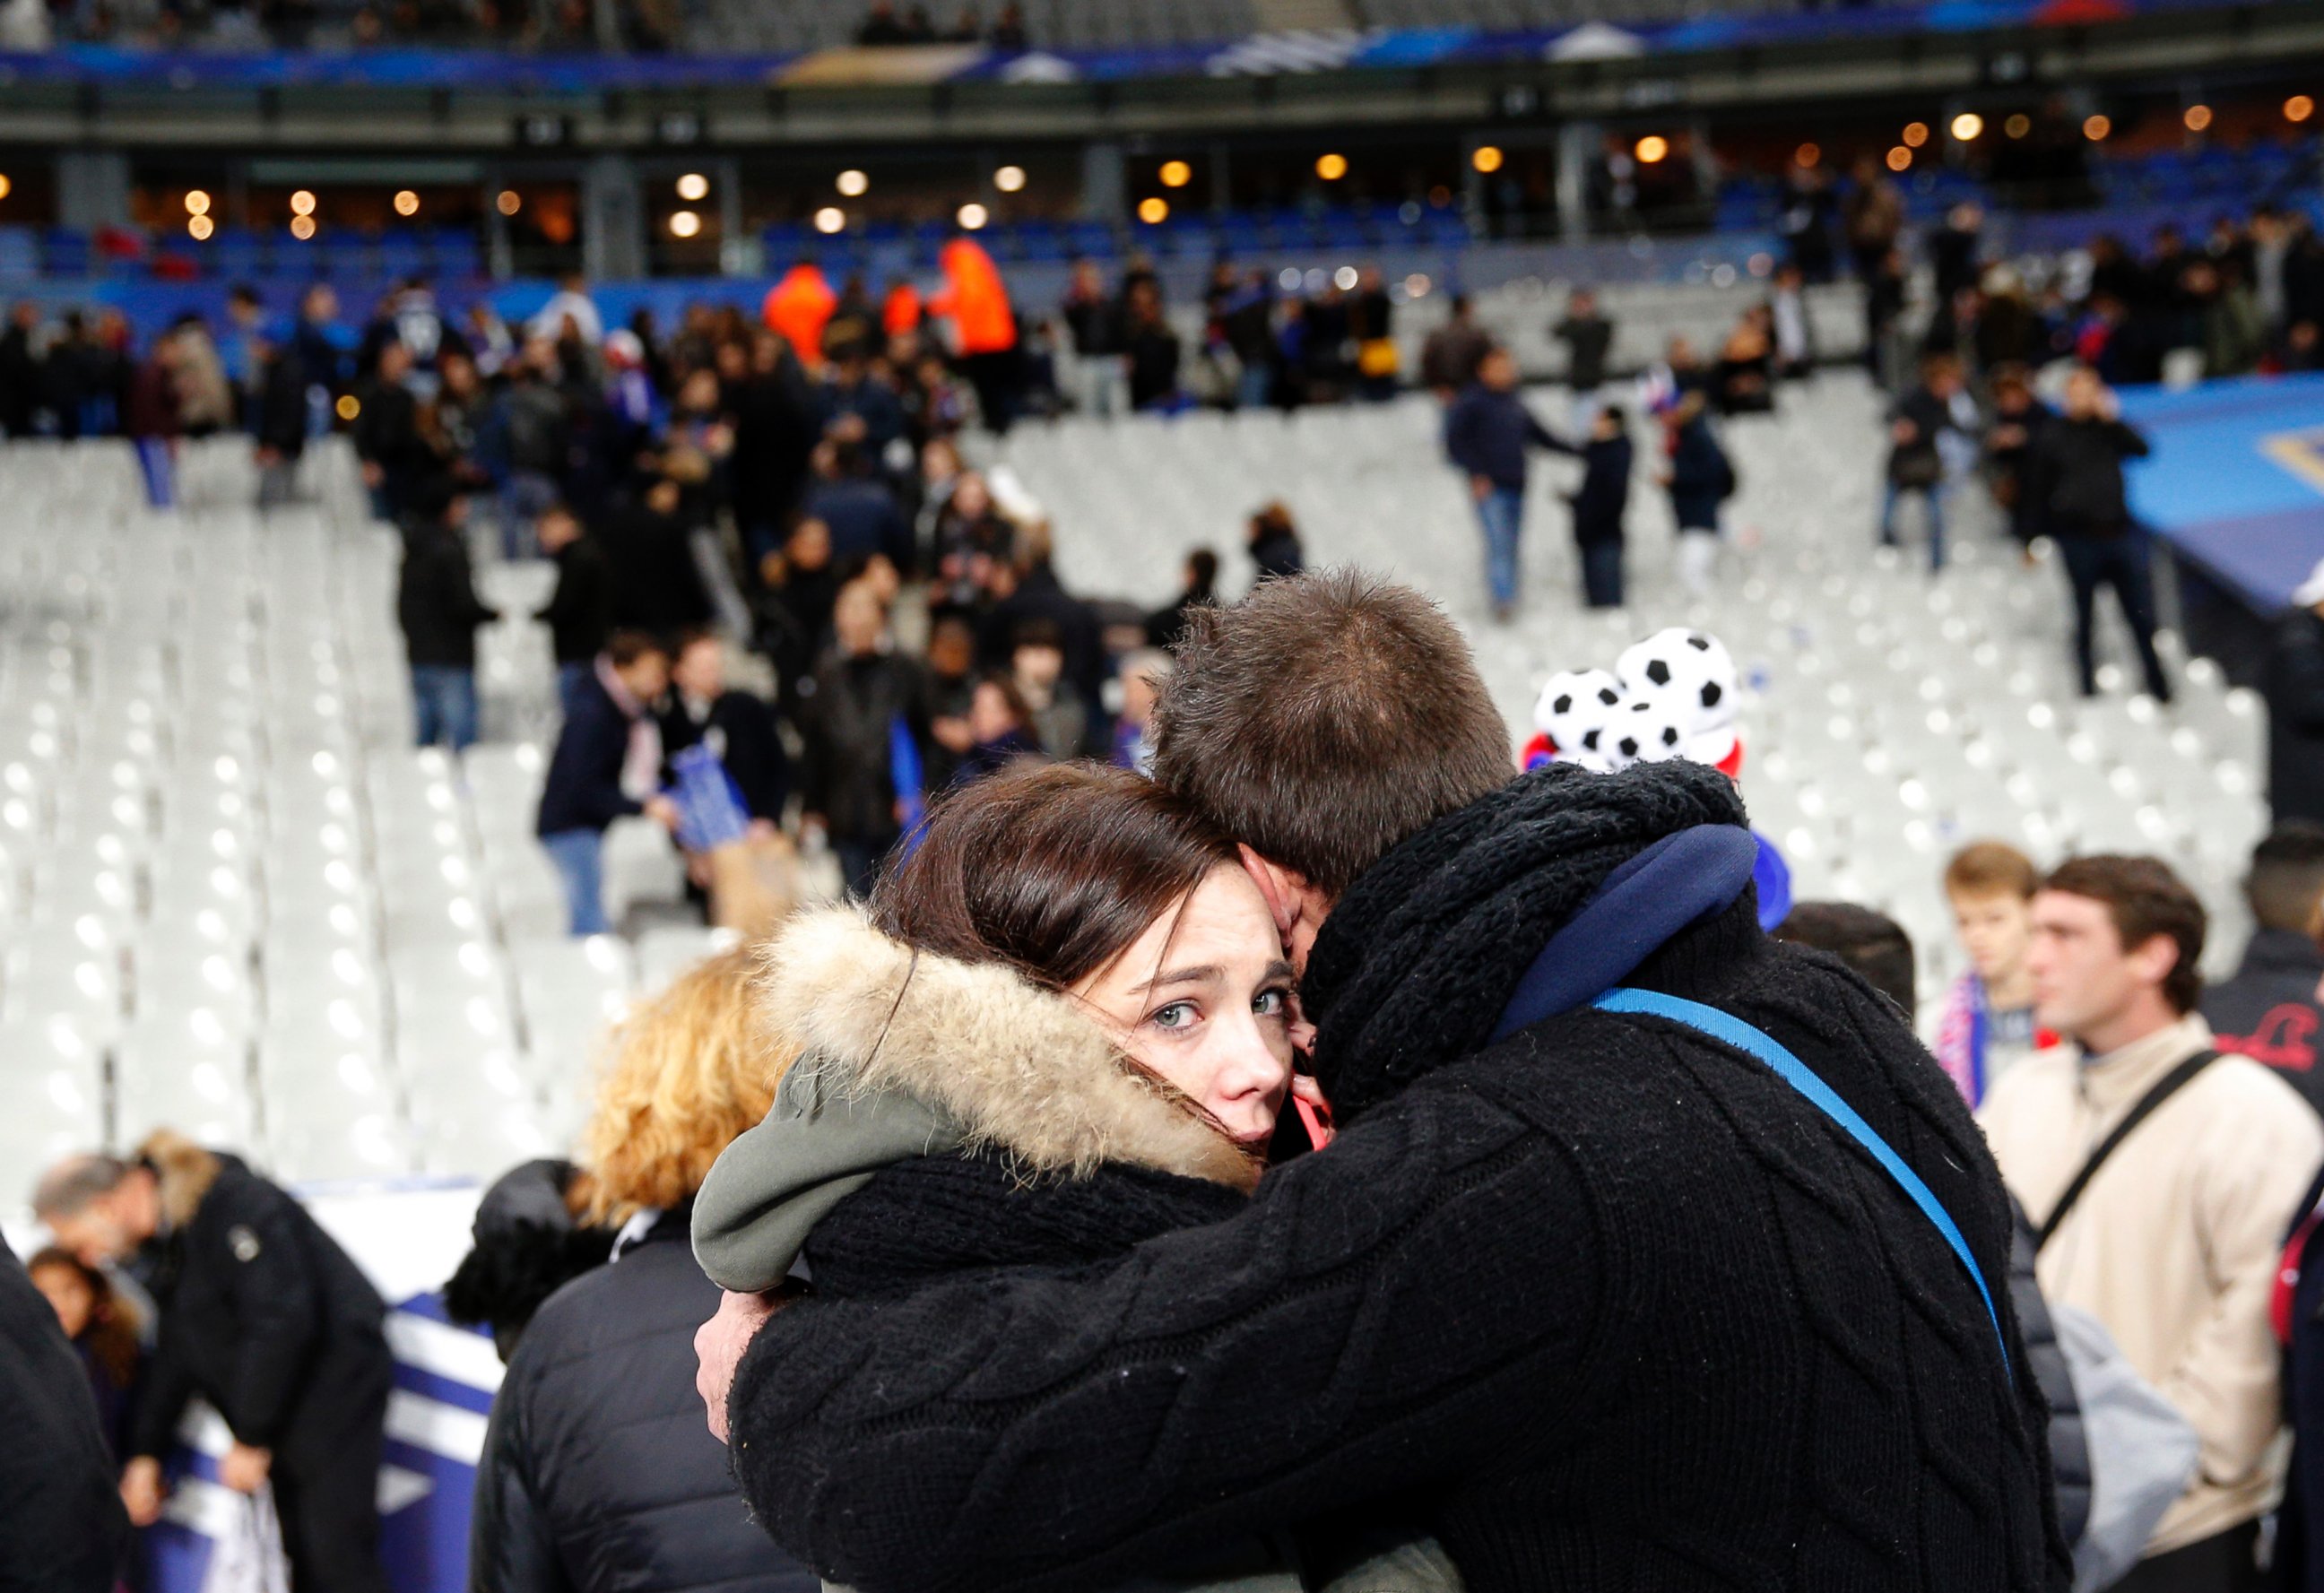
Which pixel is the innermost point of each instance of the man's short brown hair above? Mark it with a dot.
(1991, 868)
(1323, 719)
(2145, 899)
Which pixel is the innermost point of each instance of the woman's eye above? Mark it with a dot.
(1178, 1015)
(1271, 1003)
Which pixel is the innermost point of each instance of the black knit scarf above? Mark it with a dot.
(932, 1215)
(1415, 963)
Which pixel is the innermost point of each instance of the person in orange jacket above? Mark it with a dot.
(984, 328)
(902, 310)
(798, 308)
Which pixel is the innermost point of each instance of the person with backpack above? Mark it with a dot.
(2161, 1175)
(1932, 434)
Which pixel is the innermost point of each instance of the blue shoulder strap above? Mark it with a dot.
(1733, 1031)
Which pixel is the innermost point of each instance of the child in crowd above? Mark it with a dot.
(1699, 478)
(1599, 504)
(104, 1329)
(1987, 1024)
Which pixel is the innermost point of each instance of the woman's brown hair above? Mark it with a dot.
(112, 1332)
(1053, 869)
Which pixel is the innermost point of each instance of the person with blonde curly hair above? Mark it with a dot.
(597, 1472)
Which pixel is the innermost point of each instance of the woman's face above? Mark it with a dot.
(1204, 999)
(69, 1293)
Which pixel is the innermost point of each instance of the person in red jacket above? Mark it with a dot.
(798, 307)
(985, 328)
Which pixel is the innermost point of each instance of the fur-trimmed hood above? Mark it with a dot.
(1018, 1068)
(184, 1172)
(905, 1054)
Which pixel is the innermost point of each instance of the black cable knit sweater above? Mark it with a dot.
(1608, 1302)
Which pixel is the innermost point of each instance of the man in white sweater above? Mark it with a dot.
(2173, 1241)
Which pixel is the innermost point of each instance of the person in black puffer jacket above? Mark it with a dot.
(1607, 1293)
(597, 1476)
(2074, 476)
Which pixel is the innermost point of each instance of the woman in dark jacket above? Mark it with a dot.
(597, 1473)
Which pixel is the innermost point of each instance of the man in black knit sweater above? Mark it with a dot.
(1602, 1301)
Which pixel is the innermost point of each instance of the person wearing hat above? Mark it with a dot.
(2294, 686)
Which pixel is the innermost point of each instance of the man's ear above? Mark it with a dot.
(2155, 958)
(1283, 890)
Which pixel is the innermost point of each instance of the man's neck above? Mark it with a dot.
(2142, 1020)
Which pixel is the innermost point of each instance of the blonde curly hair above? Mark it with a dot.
(684, 1073)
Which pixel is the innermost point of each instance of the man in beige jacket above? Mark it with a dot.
(2173, 1243)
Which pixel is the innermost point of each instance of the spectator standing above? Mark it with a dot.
(975, 301)
(1988, 1027)
(2173, 1241)
(1790, 327)
(1274, 540)
(1599, 505)
(20, 370)
(649, 545)
(1150, 347)
(1885, 295)
(2019, 418)
(569, 306)
(607, 765)
(262, 1315)
(386, 432)
(866, 699)
(278, 420)
(1932, 435)
(1450, 354)
(798, 307)
(1873, 215)
(580, 612)
(1092, 317)
(1699, 478)
(66, 1531)
(1954, 249)
(436, 604)
(524, 441)
(2078, 482)
(2294, 683)
(857, 509)
(1589, 337)
(798, 587)
(737, 727)
(2269, 1010)
(597, 1471)
(1200, 589)
(1486, 434)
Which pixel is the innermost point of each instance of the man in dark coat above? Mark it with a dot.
(737, 727)
(2075, 476)
(850, 715)
(558, 1505)
(649, 549)
(580, 612)
(2295, 684)
(20, 370)
(1487, 432)
(1599, 504)
(262, 1315)
(62, 1529)
(1608, 1294)
(607, 765)
(2269, 1010)
(436, 604)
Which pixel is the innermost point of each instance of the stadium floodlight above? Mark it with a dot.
(303, 227)
(1009, 179)
(1176, 174)
(2197, 118)
(302, 203)
(509, 202)
(1916, 134)
(684, 224)
(1344, 278)
(694, 187)
(1651, 150)
(2018, 126)
(198, 203)
(2298, 108)
(407, 203)
(853, 183)
(1486, 158)
(1807, 156)
(1331, 167)
(200, 227)
(831, 218)
(1968, 125)
(1900, 159)
(971, 217)
(5, 185)
(1153, 210)
(2098, 127)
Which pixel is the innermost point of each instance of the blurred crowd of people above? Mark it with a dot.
(638, 25)
(883, 25)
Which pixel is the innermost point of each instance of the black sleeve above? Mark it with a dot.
(278, 1308)
(466, 609)
(814, 749)
(1375, 1319)
(2128, 440)
(511, 1548)
(755, 756)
